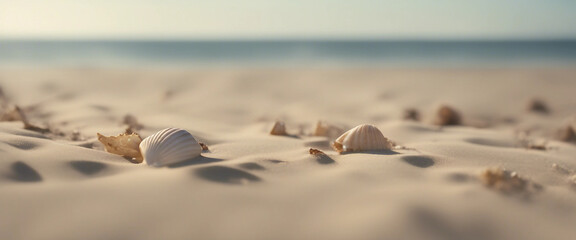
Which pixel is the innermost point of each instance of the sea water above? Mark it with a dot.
(384, 53)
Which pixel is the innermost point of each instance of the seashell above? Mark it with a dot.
(327, 130)
(169, 146)
(279, 129)
(446, 116)
(362, 138)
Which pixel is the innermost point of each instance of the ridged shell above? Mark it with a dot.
(169, 146)
(362, 138)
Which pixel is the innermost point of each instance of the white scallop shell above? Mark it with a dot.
(169, 146)
(362, 138)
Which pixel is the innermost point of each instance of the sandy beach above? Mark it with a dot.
(502, 173)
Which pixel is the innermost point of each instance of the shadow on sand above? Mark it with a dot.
(227, 175)
(379, 152)
(419, 161)
(324, 159)
(195, 161)
(22, 172)
(87, 167)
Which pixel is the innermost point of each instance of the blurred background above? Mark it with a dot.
(382, 33)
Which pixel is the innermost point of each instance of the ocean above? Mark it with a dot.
(287, 53)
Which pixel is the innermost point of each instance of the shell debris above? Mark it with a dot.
(508, 182)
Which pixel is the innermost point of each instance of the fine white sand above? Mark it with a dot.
(252, 185)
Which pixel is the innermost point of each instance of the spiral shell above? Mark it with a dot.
(169, 146)
(362, 138)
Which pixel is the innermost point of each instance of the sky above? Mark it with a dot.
(307, 19)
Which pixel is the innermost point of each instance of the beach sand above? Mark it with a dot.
(61, 184)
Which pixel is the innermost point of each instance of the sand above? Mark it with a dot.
(252, 185)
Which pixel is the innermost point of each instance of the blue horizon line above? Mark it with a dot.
(291, 40)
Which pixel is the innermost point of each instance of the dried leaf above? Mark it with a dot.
(17, 114)
(126, 145)
(35, 128)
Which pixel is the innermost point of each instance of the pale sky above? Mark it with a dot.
(190, 19)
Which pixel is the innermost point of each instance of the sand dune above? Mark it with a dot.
(252, 185)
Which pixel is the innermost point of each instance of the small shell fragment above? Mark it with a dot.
(124, 145)
(169, 146)
(204, 146)
(362, 138)
(316, 152)
(279, 129)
